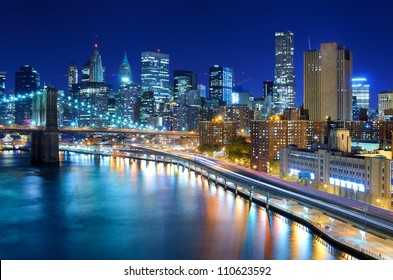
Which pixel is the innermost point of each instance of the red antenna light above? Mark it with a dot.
(158, 50)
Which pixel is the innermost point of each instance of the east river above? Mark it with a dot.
(110, 208)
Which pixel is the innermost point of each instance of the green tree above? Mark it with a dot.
(239, 150)
(208, 148)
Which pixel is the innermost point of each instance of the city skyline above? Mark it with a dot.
(243, 41)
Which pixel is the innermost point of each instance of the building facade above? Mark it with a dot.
(221, 84)
(72, 75)
(96, 70)
(269, 136)
(366, 179)
(284, 73)
(385, 105)
(217, 132)
(183, 81)
(27, 83)
(327, 82)
(125, 72)
(361, 90)
(155, 77)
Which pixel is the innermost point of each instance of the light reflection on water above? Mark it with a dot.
(112, 208)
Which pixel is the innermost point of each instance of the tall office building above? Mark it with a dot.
(125, 72)
(202, 90)
(155, 76)
(86, 72)
(284, 74)
(94, 96)
(72, 75)
(183, 81)
(96, 71)
(327, 82)
(6, 111)
(27, 81)
(361, 90)
(267, 96)
(221, 84)
(3, 75)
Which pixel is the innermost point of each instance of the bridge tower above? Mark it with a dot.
(45, 144)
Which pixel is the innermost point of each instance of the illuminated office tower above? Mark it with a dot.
(202, 90)
(96, 71)
(3, 75)
(155, 77)
(267, 96)
(125, 72)
(220, 84)
(284, 74)
(27, 82)
(6, 108)
(72, 75)
(361, 90)
(327, 82)
(183, 81)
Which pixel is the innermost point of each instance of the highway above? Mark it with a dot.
(365, 216)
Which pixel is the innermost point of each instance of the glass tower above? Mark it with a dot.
(27, 81)
(155, 76)
(125, 72)
(361, 89)
(221, 84)
(96, 70)
(183, 81)
(284, 74)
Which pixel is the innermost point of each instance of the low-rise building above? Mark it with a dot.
(368, 179)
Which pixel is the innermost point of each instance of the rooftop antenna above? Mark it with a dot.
(309, 44)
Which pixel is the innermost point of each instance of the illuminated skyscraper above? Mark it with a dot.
(202, 90)
(27, 81)
(327, 82)
(125, 72)
(6, 108)
(221, 84)
(72, 75)
(183, 81)
(284, 74)
(155, 76)
(96, 70)
(2, 84)
(361, 90)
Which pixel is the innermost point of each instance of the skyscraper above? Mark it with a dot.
(27, 81)
(5, 107)
(183, 81)
(202, 90)
(72, 75)
(284, 74)
(125, 72)
(2, 84)
(267, 96)
(155, 76)
(221, 84)
(327, 82)
(96, 70)
(361, 90)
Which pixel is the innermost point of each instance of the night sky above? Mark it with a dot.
(196, 34)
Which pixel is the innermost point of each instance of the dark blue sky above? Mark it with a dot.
(196, 34)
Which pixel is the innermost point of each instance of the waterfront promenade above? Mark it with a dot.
(345, 233)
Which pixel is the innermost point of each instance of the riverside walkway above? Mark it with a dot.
(377, 247)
